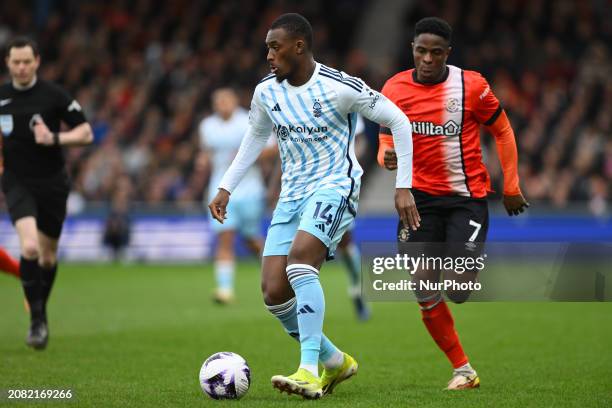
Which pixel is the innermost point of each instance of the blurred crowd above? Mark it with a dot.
(144, 72)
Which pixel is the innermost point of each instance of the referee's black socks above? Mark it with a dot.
(47, 279)
(32, 287)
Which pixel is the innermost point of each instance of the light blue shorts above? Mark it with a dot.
(326, 214)
(243, 215)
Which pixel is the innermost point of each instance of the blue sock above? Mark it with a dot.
(287, 314)
(352, 259)
(224, 275)
(304, 279)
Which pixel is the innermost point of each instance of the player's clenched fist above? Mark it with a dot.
(406, 208)
(515, 204)
(42, 134)
(218, 205)
(390, 159)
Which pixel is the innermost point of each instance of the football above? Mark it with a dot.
(225, 375)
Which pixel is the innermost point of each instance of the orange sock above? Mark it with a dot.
(441, 327)
(8, 263)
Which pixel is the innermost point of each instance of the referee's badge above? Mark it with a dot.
(6, 124)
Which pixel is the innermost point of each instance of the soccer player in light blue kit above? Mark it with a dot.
(312, 110)
(220, 137)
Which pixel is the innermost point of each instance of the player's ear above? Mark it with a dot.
(300, 47)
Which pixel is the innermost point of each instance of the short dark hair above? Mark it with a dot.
(295, 25)
(20, 42)
(434, 25)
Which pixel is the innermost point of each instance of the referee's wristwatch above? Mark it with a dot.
(56, 139)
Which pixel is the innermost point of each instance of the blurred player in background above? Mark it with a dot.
(312, 109)
(8, 264)
(447, 106)
(220, 137)
(35, 182)
(348, 251)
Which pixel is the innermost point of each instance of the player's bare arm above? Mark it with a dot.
(79, 136)
(406, 208)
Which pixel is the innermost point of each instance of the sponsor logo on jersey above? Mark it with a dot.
(375, 97)
(484, 93)
(6, 124)
(450, 128)
(284, 133)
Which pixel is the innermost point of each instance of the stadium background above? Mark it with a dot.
(144, 74)
(132, 334)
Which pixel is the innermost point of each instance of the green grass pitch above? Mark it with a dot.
(135, 336)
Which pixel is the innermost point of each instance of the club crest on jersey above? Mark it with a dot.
(317, 109)
(6, 124)
(453, 105)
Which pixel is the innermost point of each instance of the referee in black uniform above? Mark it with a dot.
(35, 182)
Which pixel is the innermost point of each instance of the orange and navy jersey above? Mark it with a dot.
(446, 119)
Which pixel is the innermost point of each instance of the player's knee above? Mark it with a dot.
(30, 249)
(272, 297)
(48, 260)
(298, 254)
(273, 293)
(304, 254)
(458, 296)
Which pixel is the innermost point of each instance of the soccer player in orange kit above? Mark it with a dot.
(446, 106)
(8, 264)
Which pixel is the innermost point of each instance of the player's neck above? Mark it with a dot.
(441, 78)
(303, 73)
(29, 85)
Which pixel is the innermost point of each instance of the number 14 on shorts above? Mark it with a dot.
(324, 214)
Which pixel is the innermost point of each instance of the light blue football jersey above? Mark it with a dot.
(315, 129)
(222, 138)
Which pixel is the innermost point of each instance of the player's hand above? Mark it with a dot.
(515, 204)
(406, 208)
(218, 205)
(42, 134)
(390, 159)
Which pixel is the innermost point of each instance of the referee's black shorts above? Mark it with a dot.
(447, 219)
(43, 198)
